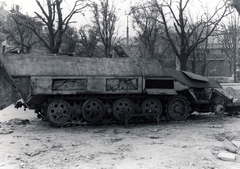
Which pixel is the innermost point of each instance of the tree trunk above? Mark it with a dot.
(204, 66)
(234, 68)
(194, 62)
(183, 63)
(107, 51)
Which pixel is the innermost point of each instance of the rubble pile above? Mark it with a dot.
(232, 150)
(9, 126)
(17, 121)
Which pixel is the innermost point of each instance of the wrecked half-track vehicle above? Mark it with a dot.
(77, 90)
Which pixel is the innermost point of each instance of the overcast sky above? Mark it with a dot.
(29, 6)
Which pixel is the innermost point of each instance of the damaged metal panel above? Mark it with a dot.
(41, 85)
(192, 82)
(8, 90)
(61, 85)
(121, 84)
(106, 85)
(195, 76)
(23, 85)
(44, 85)
(69, 85)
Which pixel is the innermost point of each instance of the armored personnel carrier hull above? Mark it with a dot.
(64, 89)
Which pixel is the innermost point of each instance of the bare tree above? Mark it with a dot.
(149, 29)
(229, 39)
(19, 34)
(88, 39)
(70, 41)
(105, 18)
(182, 41)
(55, 23)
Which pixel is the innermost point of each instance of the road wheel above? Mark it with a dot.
(122, 107)
(93, 110)
(58, 112)
(152, 105)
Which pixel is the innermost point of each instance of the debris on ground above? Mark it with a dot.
(232, 150)
(17, 121)
(34, 153)
(237, 144)
(226, 156)
(8, 126)
(4, 131)
(229, 146)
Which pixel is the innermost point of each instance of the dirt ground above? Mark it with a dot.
(195, 143)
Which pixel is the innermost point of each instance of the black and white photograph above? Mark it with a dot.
(119, 84)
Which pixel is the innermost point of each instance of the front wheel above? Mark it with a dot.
(178, 108)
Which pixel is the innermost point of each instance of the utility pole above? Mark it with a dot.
(127, 34)
(235, 35)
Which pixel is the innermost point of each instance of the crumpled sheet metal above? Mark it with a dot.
(192, 80)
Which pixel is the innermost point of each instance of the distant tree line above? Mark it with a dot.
(164, 29)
